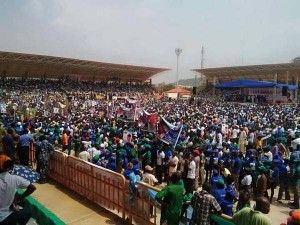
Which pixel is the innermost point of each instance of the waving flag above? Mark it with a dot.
(167, 132)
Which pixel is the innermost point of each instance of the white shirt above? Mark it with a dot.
(220, 137)
(247, 180)
(84, 155)
(160, 157)
(92, 151)
(235, 133)
(86, 144)
(149, 178)
(192, 170)
(173, 161)
(8, 187)
(269, 155)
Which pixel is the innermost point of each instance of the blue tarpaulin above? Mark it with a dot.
(243, 83)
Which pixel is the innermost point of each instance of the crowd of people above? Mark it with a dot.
(226, 154)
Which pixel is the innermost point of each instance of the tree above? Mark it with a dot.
(296, 60)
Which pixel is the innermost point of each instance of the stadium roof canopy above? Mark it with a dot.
(40, 66)
(282, 73)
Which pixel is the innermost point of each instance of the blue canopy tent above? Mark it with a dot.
(244, 83)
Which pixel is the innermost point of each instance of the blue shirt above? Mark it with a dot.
(136, 169)
(219, 195)
(237, 165)
(127, 173)
(25, 140)
(274, 175)
(112, 166)
(295, 155)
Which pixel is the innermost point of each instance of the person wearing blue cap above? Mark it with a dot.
(215, 179)
(215, 159)
(284, 180)
(236, 169)
(136, 166)
(230, 197)
(208, 164)
(274, 177)
(111, 165)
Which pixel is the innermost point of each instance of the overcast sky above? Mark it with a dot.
(146, 32)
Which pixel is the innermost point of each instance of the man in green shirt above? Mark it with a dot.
(255, 216)
(171, 200)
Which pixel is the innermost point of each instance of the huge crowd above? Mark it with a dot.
(226, 155)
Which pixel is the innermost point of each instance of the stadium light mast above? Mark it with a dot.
(202, 60)
(178, 52)
(202, 57)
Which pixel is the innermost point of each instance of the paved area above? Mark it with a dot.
(76, 210)
(72, 208)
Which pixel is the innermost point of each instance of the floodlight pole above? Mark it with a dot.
(177, 51)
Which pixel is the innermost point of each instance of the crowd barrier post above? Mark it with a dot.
(58, 167)
(32, 159)
(139, 211)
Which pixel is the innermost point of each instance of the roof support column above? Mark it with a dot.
(296, 91)
(214, 89)
(274, 88)
(287, 78)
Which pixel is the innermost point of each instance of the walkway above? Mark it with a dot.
(72, 208)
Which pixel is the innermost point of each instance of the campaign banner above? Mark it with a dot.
(167, 132)
(127, 138)
(129, 115)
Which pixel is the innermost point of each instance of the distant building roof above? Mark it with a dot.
(180, 91)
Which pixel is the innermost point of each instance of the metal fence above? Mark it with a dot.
(104, 187)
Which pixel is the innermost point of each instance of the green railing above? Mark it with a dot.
(40, 213)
